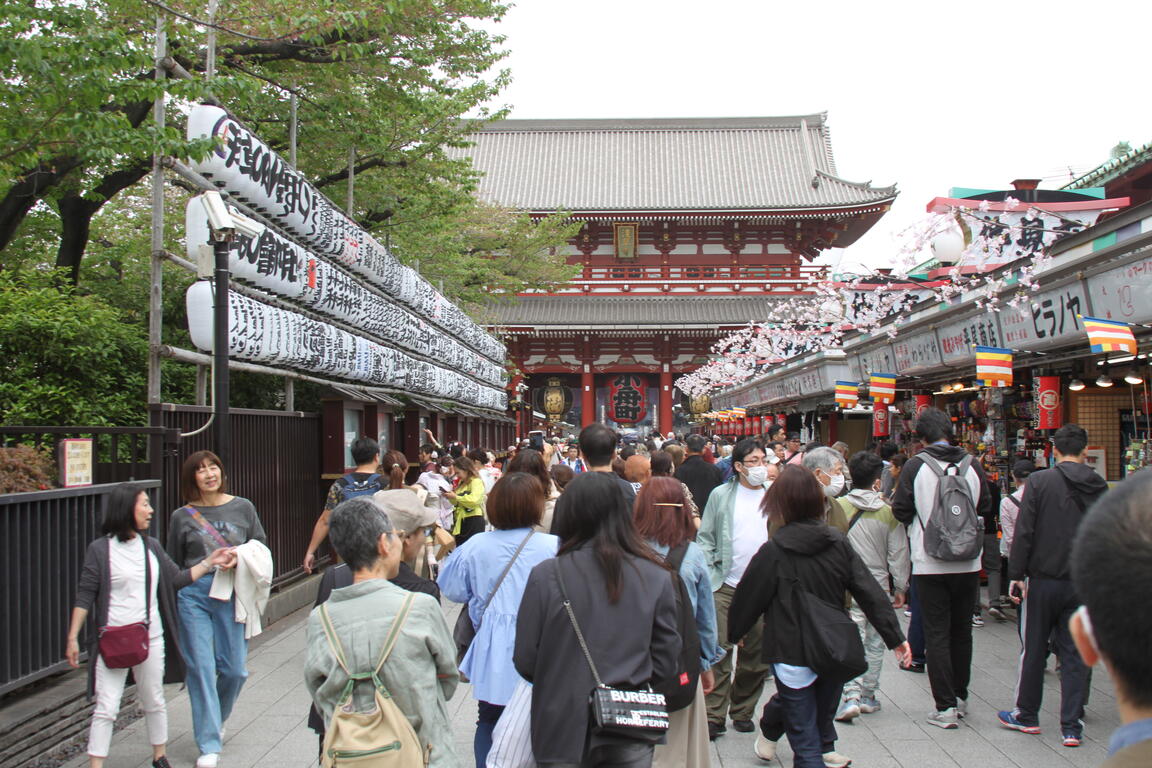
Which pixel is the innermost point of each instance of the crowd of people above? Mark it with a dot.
(676, 575)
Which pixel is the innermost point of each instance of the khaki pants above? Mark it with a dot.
(736, 697)
(687, 745)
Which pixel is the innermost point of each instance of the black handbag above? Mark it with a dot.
(638, 715)
(465, 632)
(829, 637)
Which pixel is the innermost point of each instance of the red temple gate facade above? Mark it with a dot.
(692, 228)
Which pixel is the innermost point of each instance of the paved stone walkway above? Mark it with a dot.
(268, 727)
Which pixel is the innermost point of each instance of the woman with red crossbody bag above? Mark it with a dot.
(128, 586)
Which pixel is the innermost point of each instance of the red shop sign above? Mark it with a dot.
(1048, 410)
(628, 398)
(922, 402)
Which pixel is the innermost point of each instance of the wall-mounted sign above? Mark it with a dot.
(916, 352)
(1123, 293)
(957, 338)
(76, 462)
(1044, 319)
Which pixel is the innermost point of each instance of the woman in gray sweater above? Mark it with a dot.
(112, 591)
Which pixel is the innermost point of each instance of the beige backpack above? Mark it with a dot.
(381, 737)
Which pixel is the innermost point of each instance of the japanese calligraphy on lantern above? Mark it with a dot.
(916, 352)
(1123, 293)
(272, 335)
(628, 397)
(1044, 319)
(251, 172)
(958, 338)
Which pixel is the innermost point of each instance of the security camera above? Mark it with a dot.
(246, 226)
(219, 218)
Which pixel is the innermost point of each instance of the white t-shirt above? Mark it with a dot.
(749, 531)
(126, 600)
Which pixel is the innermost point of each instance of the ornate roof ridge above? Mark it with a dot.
(1112, 168)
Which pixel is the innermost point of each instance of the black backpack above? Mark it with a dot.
(681, 690)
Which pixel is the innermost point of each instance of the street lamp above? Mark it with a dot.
(224, 222)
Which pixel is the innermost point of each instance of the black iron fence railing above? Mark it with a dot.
(44, 535)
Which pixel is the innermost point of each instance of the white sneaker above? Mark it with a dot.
(961, 708)
(849, 710)
(836, 760)
(946, 719)
(764, 748)
(208, 760)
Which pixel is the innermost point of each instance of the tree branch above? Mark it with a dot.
(337, 177)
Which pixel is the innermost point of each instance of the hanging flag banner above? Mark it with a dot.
(923, 403)
(880, 421)
(847, 393)
(628, 398)
(994, 366)
(883, 387)
(1047, 395)
(1109, 335)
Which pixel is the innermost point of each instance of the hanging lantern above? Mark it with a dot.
(555, 399)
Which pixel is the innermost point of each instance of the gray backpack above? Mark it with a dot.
(954, 530)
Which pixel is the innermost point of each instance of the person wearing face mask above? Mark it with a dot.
(828, 467)
(882, 544)
(732, 529)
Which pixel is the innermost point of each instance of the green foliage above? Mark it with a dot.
(24, 468)
(66, 358)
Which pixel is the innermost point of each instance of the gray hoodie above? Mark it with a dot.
(879, 539)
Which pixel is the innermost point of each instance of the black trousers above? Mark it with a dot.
(1044, 615)
(612, 756)
(806, 714)
(947, 601)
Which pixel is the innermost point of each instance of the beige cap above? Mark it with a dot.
(404, 509)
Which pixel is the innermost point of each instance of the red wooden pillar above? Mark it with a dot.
(833, 427)
(412, 436)
(587, 396)
(664, 410)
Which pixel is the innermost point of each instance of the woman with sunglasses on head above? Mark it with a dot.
(487, 574)
(128, 578)
(664, 520)
(214, 643)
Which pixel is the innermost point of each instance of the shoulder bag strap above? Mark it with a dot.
(333, 639)
(855, 518)
(504, 573)
(199, 518)
(575, 626)
(394, 633)
(147, 580)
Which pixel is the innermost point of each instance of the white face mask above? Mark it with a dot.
(756, 475)
(835, 485)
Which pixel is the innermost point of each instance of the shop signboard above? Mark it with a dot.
(1123, 293)
(873, 358)
(958, 338)
(923, 403)
(1050, 318)
(1048, 407)
(881, 419)
(916, 353)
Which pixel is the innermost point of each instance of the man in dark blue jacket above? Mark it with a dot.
(1039, 565)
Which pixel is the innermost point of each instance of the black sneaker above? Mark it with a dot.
(715, 730)
(916, 666)
(743, 726)
(161, 762)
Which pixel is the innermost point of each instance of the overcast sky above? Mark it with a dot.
(927, 95)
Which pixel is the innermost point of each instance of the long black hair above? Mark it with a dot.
(120, 511)
(593, 510)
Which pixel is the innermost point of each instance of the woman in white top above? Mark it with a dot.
(112, 590)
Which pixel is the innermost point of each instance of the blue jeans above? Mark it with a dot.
(486, 717)
(915, 626)
(805, 714)
(215, 653)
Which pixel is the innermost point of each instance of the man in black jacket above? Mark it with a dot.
(1051, 509)
(700, 476)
